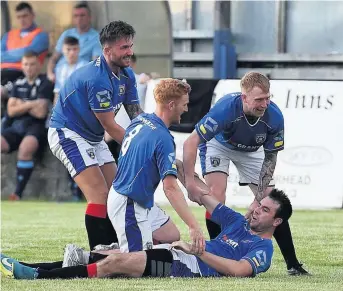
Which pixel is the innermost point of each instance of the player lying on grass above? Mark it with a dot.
(242, 249)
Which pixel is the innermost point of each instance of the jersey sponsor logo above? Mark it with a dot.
(210, 124)
(121, 89)
(279, 136)
(215, 161)
(117, 107)
(243, 146)
(229, 241)
(278, 144)
(256, 261)
(104, 99)
(91, 153)
(203, 129)
(261, 138)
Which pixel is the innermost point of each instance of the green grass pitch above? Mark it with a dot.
(38, 231)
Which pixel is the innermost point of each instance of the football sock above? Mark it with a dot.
(95, 257)
(24, 171)
(97, 225)
(212, 227)
(283, 237)
(66, 273)
(45, 266)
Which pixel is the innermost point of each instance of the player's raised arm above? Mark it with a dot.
(177, 200)
(208, 201)
(273, 144)
(189, 158)
(206, 129)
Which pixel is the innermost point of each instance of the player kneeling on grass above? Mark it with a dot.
(242, 249)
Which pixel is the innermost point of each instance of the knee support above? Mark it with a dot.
(158, 263)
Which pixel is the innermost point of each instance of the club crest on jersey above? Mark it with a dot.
(215, 161)
(104, 98)
(121, 90)
(261, 138)
(91, 153)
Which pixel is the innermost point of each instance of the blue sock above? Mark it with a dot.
(24, 171)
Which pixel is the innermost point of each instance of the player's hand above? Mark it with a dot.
(183, 246)
(198, 240)
(251, 209)
(195, 193)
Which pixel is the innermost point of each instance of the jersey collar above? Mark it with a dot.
(108, 69)
(32, 27)
(159, 120)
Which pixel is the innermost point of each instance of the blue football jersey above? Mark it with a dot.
(235, 242)
(147, 156)
(227, 123)
(92, 88)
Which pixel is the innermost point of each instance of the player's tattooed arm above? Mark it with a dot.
(133, 110)
(267, 171)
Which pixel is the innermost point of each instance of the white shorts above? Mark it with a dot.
(75, 152)
(215, 157)
(133, 223)
(184, 265)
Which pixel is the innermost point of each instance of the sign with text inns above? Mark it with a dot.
(310, 168)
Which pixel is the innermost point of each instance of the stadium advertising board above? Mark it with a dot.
(309, 169)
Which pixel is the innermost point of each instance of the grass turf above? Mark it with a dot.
(38, 231)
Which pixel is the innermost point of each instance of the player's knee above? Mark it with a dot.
(174, 233)
(4, 145)
(28, 148)
(107, 265)
(26, 153)
(97, 195)
(167, 233)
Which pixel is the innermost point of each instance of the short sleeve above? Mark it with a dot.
(14, 91)
(260, 256)
(165, 156)
(275, 138)
(226, 217)
(57, 87)
(99, 96)
(131, 96)
(59, 43)
(46, 90)
(58, 83)
(214, 121)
